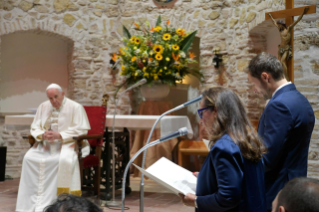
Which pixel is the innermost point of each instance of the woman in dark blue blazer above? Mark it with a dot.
(232, 176)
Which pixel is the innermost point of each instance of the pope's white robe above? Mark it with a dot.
(52, 168)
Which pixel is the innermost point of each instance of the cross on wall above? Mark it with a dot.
(289, 14)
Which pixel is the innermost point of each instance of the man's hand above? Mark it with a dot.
(188, 199)
(51, 135)
(195, 174)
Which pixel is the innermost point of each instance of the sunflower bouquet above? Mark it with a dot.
(158, 53)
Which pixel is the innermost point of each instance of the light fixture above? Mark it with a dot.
(217, 58)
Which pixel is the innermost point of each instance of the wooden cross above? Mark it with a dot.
(289, 14)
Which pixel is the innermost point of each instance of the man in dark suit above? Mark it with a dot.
(285, 125)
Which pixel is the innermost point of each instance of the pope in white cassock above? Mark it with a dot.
(51, 166)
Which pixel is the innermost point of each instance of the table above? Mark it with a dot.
(167, 125)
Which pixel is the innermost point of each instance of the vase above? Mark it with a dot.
(155, 92)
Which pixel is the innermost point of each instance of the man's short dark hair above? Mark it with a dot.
(265, 62)
(71, 203)
(300, 195)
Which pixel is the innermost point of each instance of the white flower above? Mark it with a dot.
(144, 54)
(137, 51)
(182, 54)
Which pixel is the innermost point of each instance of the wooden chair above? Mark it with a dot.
(186, 148)
(96, 116)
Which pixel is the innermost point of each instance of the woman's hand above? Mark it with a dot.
(188, 199)
(195, 174)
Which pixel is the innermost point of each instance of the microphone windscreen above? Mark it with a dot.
(183, 131)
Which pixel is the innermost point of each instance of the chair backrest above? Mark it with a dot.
(97, 117)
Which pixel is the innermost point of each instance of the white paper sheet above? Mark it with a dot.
(171, 176)
(206, 142)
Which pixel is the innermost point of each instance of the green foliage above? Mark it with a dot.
(156, 53)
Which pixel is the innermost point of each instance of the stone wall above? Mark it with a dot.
(237, 27)
(307, 73)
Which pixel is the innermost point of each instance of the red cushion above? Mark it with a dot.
(90, 161)
(96, 116)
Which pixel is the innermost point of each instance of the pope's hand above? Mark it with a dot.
(51, 135)
(188, 199)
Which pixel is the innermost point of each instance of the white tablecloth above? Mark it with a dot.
(168, 124)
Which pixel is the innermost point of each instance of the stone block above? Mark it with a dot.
(250, 17)
(214, 15)
(25, 6)
(242, 64)
(112, 11)
(233, 22)
(69, 19)
(61, 5)
(41, 9)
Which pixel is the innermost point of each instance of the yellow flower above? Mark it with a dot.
(158, 57)
(146, 75)
(165, 68)
(175, 47)
(133, 59)
(137, 41)
(155, 77)
(136, 73)
(133, 39)
(136, 47)
(161, 70)
(166, 36)
(144, 69)
(158, 49)
(167, 59)
(180, 31)
(157, 29)
(121, 51)
(123, 67)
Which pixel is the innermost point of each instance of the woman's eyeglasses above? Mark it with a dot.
(200, 111)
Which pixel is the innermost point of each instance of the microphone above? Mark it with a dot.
(113, 202)
(149, 138)
(193, 100)
(180, 132)
(141, 82)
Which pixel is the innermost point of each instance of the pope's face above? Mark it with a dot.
(56, 97)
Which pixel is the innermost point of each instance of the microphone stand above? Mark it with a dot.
(182, 131)
(114, 203)
(148, 140)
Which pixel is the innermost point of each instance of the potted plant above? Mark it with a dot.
(157, 53)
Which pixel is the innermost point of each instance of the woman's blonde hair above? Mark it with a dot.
(232, 120)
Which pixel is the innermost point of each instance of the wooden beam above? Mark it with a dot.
(289, 20)
(290, 12)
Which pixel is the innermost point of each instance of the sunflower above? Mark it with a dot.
(133, 39)
(157, 29)
(137, 41)
(180, 31)
(158, 49)
(166, 36)
(175, 47)
(158, 57)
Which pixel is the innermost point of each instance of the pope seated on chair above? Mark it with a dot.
(51, 166)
